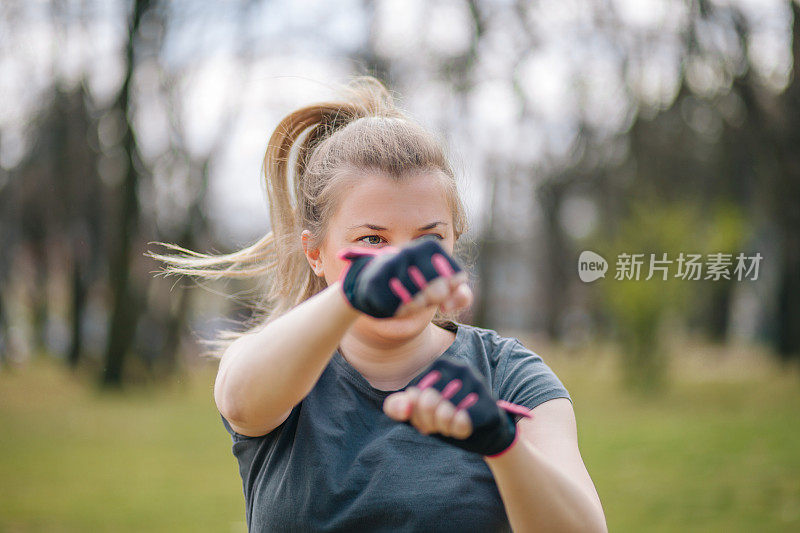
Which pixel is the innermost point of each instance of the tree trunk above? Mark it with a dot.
(78, 306)
(125, 306)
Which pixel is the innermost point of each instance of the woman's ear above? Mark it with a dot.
(312, 254)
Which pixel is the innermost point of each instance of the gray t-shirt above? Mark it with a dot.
(339, 463)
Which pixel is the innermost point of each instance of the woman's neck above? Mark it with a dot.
(391, 367)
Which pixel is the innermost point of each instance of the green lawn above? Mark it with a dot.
(719, 451)
(72, 459)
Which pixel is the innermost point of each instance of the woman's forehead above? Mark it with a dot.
(377, 193)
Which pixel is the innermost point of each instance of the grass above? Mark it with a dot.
(73, 459)
(719, 450)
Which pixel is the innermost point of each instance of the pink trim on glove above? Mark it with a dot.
(442, 265)
(343, 273)
(348, 250)
(468, 401)
(399, 289)
(451, 389)
(356, 251)
(429, 379)
(363, 250)
(417, 276)
(515, 408)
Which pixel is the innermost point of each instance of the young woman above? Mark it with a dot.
(355, 401)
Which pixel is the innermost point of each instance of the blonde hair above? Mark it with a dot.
(364, 131)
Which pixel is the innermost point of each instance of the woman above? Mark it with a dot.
(352, 401)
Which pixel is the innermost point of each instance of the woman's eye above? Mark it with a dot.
(371, 237)
(379, 238)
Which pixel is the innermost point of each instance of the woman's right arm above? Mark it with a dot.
(263, 375)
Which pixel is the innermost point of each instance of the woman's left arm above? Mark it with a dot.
(540, 473)
(542, 479)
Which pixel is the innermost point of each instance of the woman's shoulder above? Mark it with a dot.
(488, 341)
(516, 373)
(485, 349)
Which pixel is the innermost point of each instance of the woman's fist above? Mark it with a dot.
(452, 403)
(391, 281)
(428, 412)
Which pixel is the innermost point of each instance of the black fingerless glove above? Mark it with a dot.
(378, 280)
(494, 428)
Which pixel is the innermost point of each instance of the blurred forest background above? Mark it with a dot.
(618, 126)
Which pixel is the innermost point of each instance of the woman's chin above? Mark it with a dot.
(401, 326)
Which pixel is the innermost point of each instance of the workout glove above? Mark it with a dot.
(378, 280)
(494, 430)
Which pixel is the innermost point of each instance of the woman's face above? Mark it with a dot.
(377, 211)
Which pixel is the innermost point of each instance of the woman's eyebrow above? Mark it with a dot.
(381, 228)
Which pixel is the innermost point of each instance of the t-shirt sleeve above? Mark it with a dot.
(245, 449)
(526, 379)
(236, 437)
